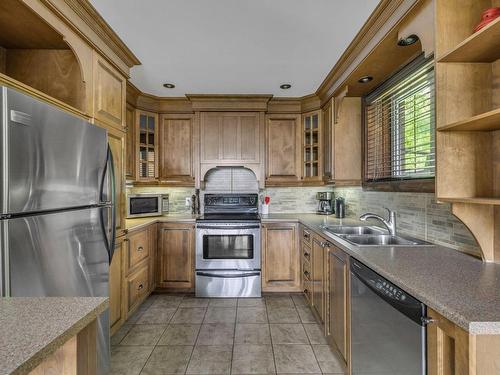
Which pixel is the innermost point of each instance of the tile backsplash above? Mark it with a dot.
(418, 215)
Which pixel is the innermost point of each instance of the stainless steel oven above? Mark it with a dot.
(228, 260)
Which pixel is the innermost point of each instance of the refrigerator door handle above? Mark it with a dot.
(109, 167)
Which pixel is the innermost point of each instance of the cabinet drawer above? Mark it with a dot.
(306, 270)
(308, 290)
(306, 236)
(138, 286)
(138, 248)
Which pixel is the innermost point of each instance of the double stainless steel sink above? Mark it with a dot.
(371, 236)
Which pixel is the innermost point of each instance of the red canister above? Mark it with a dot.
(487, 16)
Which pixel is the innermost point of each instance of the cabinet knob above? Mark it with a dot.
(307, 235)
(306, 291)
(140, 287)
(428, 320)
(325, 244)
(140, 248)
(306, 273)
(306, 254)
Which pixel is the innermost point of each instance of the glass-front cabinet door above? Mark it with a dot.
(147, 145)
(312, 138)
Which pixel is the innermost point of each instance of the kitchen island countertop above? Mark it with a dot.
(32, 328)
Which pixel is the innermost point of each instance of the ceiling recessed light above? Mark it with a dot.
(169, 85)
(408, 41)
(285, 86)
(365, 79)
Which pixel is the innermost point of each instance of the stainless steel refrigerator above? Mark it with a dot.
(57, 206)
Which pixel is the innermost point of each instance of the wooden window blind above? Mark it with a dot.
(400, 125)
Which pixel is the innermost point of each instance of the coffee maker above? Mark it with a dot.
(325, 203)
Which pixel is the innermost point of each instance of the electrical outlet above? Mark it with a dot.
(188, 201)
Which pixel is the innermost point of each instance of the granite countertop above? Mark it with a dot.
(140, 222)
(458, 286)
(32, 328)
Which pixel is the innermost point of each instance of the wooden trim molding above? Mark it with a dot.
(229, 102)
(379, 17)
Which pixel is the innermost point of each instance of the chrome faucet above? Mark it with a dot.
(390, 224)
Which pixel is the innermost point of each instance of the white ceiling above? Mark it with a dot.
(234, 46)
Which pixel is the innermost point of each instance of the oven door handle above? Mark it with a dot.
(228, 276)
(231, 227)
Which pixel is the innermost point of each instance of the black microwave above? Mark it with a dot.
(143, 205)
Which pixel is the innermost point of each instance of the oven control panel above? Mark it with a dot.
(232, 200)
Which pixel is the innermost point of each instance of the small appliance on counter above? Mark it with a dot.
(325, 203)
(144, 205)
(340, 208)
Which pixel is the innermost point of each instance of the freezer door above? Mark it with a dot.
(51, 159)
(61, 254)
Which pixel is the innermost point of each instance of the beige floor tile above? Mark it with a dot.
(305, 314)
(222, 302)
(216, 334)
(315, 334)
(299, 300)
(252, 334)
(282, 315)
(210, 360)
(280, 301)
(180, 334)
(251, 302)
(253, 359)
(120, 334)
(220, 315)
(189, 315)
(251, 315)
(129, 360)
(288, 334)
(168, 360)
(295, 359)
(144, 334)
(328, 359)
(167, 301)
(194, 302)
(157, 315)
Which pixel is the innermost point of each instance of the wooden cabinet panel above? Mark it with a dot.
(337, 325)
(447, 347)
(176, 256)
(130, 149)
(318, 276)
(230, 137)
(138, 248)
(116, 277)
(109, 94)
(328, 141)
(147, 137)
(280, 258)
(176, 151)
(137, 287)
(283, 149)
(312, 139)
(116, 141)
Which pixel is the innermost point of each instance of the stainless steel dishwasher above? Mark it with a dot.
(388, 333)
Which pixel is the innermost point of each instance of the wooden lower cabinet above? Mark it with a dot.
(319, 276)
(176, 256)
(116, 288)
(280, 258)
(337, 324)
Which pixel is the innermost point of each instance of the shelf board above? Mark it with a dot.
(483, 122)
(482, 46)
(472, 200)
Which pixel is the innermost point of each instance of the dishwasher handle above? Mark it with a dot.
(390, 293)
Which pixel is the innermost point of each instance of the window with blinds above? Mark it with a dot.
(399, 126)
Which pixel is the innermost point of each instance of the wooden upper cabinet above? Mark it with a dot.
(116, 142)
(109, 94)
(312, 146)
(176, 256)
(147, 145)
(230, 137)
(283, 149)
(176, 149)
(328, 141)
(130, 149)
(280, 258)
(347, 154)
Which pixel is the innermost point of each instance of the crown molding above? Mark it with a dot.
(379, 17)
